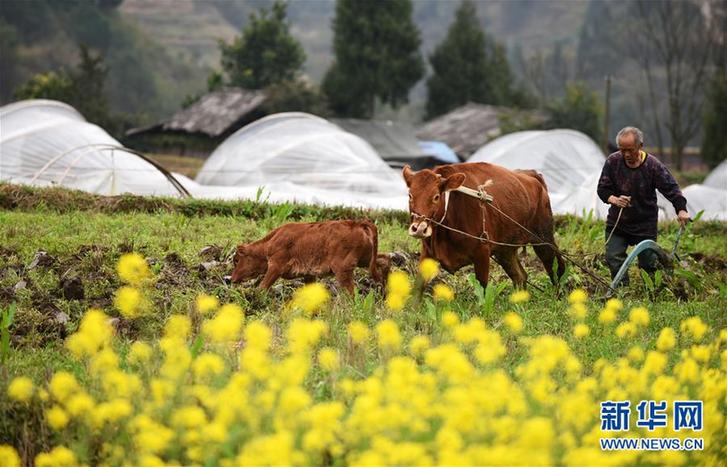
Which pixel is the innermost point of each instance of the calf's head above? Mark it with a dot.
(247, 264)
(427, 191)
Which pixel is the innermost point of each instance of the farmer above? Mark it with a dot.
(629, 180)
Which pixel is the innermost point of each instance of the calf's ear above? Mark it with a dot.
(452, 182)
(408, 174)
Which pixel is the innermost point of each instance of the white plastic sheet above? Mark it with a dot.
(46, 143)
(300, 157)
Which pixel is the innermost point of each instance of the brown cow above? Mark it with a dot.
(312, 250)
(521, 194)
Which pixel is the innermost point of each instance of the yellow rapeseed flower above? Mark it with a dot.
(328, 359)
(310, 298)
(581, 330)
(129, 302)
(639, 316)
(62, 385)
(520, 296)
(577, 296)
(398, 283)
(21, 389)
(206, 303)
(139, 353)
(418, 345)
(226, 326)
(428, 268)
(626, 329)
(57, 418)
(450, 319)
(694, 327)
(667, 340)
(59, 456)
(607, 315)
(258, 335)
(358, 332)
(388, 335)
(513, 321)
(9, 456)
(208, 364)
(178, 326)
(395, 302)
(636, 354)
(443, 293)
(132, 269)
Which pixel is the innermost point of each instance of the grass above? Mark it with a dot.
(84, 238)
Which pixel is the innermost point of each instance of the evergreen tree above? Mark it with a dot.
(579, 110)
(265, 53)
(714, 148)
(468, 66)
(376, 46)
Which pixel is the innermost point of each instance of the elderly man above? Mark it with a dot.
(628, 183)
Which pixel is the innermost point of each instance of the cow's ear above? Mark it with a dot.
(408, 174)
(452, 182)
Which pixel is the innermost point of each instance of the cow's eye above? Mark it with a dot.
(436, 198)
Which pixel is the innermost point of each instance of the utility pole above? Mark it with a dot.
(606, 116)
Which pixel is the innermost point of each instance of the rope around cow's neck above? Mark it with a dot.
(485, 238)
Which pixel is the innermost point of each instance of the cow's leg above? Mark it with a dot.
(271, 275)
(511, 264)
(547, 256)
(482, 266)
(344, 276)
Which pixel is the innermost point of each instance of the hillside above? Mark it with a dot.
(197, 25)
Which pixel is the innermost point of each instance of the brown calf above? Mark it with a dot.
(312, 250)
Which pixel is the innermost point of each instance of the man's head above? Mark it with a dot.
(630, 140)
(427, 198)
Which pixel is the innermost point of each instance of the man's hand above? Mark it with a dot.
(683, 217)
(622, 201)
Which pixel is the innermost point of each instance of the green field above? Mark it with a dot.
(188, 245)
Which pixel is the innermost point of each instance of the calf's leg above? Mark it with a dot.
(271, 275)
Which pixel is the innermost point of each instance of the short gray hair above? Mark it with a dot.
(632, 130)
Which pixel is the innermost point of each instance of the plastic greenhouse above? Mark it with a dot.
(46, 143)
(300, 157)
(710, 196)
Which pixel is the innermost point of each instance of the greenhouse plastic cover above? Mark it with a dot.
(47, 143)
(571, 165)
(710, 196)
(304, 158)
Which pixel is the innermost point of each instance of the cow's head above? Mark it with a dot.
(247, 264)
(426, 198)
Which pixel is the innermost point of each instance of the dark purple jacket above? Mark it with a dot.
(640, 183)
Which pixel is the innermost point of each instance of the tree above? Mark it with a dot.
(298, 96)
(265, 53)
(82, 88)
(376, 47)
(579, 110)
(714, 147)
(673, 36)
(467, 66)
